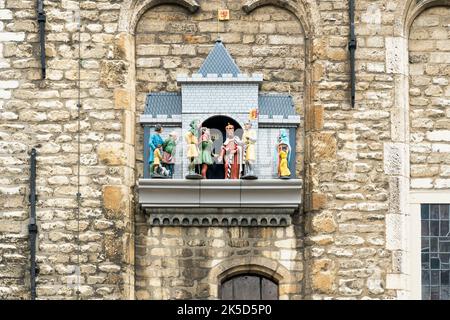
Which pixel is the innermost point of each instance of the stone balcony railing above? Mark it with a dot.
(269, 202)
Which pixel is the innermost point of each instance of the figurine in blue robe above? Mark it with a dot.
(153, 142)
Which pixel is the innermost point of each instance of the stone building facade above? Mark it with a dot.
(372, 175)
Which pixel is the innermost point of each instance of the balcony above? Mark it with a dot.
(264, 202)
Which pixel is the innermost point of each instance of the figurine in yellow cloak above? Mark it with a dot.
(283, 168)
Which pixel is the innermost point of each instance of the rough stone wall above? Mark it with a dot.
(171, 262)
(429, 57)
(352, 223)
(347, 190)
(174, 263)
(43, 114)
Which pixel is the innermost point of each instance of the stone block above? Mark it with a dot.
(396, 55)
(112, 73)
(323, 146)
(395, 156)
(112, 153)
(323, 223)
(395, 281)
(115, 200)
(394, 231)
(122, 99)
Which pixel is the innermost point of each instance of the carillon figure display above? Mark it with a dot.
(192, 153)
(249, 140)
(283, 155)
(231, 154)
(169, 150)
(206, 149)
(153, 142)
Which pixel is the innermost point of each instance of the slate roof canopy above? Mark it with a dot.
(276, 104)
(219, 61)
(168, 103)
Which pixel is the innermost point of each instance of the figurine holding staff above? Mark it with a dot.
(249, 140)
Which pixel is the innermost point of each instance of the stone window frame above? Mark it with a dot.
(416, 198)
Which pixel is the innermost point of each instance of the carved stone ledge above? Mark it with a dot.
(182, 202)
(202, 220)
(182, 193)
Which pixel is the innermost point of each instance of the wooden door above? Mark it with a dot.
(249, 287)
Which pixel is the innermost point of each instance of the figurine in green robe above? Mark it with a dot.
(169, 150)
(206, 150)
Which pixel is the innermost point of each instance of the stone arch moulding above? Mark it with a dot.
(132, 10)
(410, 11)
(259, 265)
(294, 7)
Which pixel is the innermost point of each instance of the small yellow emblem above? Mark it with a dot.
(223, 14)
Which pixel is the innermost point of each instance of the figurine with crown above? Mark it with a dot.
(231, 154)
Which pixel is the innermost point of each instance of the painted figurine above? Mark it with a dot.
(192, 149)
(206, 150)
(231, 153)
(153, 142)
(249, 140)
(283, 155)
(283, 166)
(158, 171)
(169, 150)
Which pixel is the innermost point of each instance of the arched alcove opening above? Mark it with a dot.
(217, 125)
(170, 40)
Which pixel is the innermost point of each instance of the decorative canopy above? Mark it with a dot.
(163, 103)
(276, 104)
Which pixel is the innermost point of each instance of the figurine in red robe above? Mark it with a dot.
(231, 154)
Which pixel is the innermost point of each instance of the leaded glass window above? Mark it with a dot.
(435, 253)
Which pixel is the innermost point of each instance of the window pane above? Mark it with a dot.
(435, 293)
(435, 251)
(434, 211)
(425, 277)
(425, 293)
(445, 277)
(425, 212)
(425, 231)
(444, 211)
(444, 228)
(445, 293)
(434, 228)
